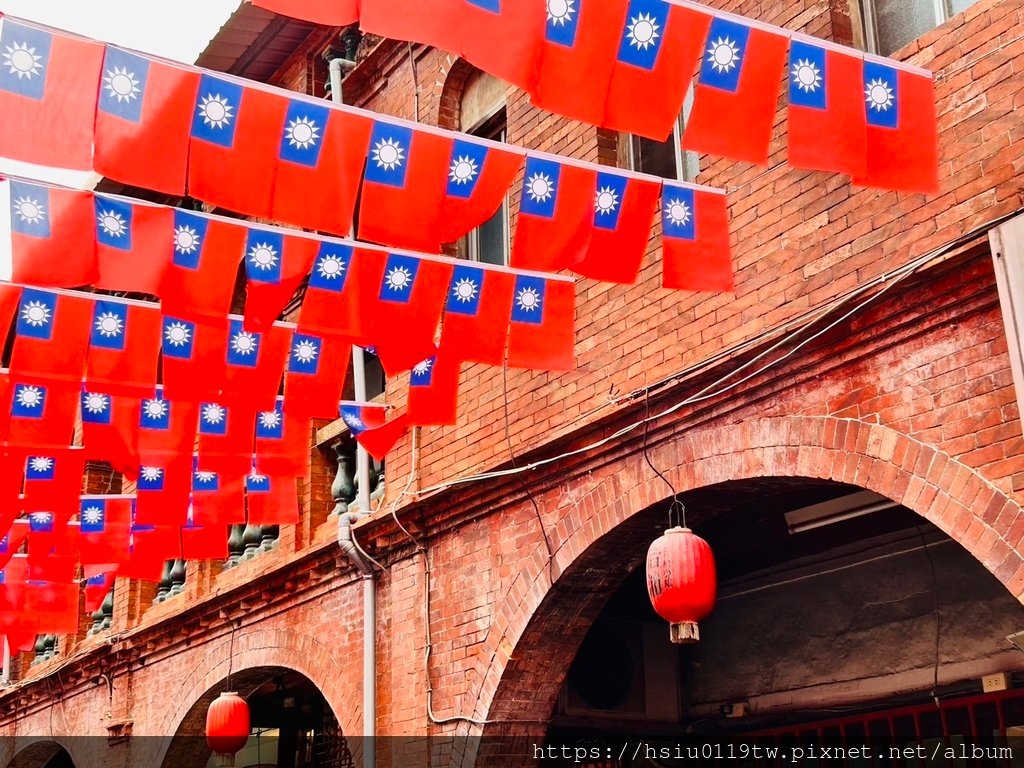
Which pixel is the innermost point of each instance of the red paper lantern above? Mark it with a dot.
(227, 724)
(681, 581)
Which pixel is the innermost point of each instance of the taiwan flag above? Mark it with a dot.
(410, 300)
(234, 145)
(104, 530)
(162, 493)
(50, 539)
(315, 375)
(479, 177)
(320, 165)
(275, 266)
(826, 120)
(624, 209)
(434, 390)
(328, 13)
(406, 173)
(166, 429)
(40, 413)
(52, 604)
(97, 587)
(51, 336)
(151, 547)
(476, 313)
(203, 542)
(503, 37)
(226, 438)
(142, 129)
(542, 328)
(370, 429)
(283, 441)
(53, 482)
(217, 500)
(341, 297)
(134, 244)
(736, 94)
(271, 499)
(48, 85)
(200, 278)
(124, 348)
(695, 240)
(109, 425)
(433, 22)
(51, 235)
(193, 357)
(254, 364)
(902, 143)
(658, 46)
(11, 542)
(556, 215)
(580, 36)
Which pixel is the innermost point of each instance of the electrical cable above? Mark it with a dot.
(676, 503)
(938, 617)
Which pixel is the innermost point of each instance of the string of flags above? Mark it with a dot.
(273, 154)
(627, 65)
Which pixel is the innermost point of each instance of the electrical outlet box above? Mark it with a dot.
(999, 681)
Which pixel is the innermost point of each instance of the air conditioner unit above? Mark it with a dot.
(623, 670)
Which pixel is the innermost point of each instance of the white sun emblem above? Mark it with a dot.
(678, 213)
(263, 256)
(540, 187)
(463, 170)
(270, 419)
(41, 464)
(109, 324)
(806, 75)
(186, 239)
(560, 11)
(30, 210)
(113, 224)
(154, 409)
(607, 201)
(305, 351)
(95, 402)
(121, 84)
(399, 279)
(152, 474)
(353, 421)
(388, 154)
(256, 478)
(213, 413)
(302, 133)
(29, 397)
(92, 515)
(41, 518)
(206, 477)
(244, 343)
(723, 55)
(216, 110)
(422, 369)
(465, 290)
(528, 299)
(331, 267)
(35, 313)
(21, 60)
(643, 31)
(879, 95)
(177, 334)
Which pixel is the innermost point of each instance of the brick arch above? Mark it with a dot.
(449, 103)
(516, 694)
(34, 753)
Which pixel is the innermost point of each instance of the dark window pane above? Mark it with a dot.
(897, 22)
(657, 158)
(491, 239)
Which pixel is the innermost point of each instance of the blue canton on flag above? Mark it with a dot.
(24, 58)
(305, 354)
(807, 65)
(92, 516)
(151, 478)
(611, 190)
(488, 5)
(216, 110)
(643, 33)
(179, 338)
(31, 209)
(256, 483)
(388, 160)
(40, 468)
(399, 276)
(722, 62)
(270, 424)
(124, 84)
(563, 21)
(96, 408)
(155, 414)
(109, 320)
(422, 374)
(464, 294)
(353, 417)
(677, 213)
(213, 419)
(528, 306)
(303, 135)
(330, 270)
(35, 315)
(114, 222)
(468, 160)
(29, 401)
(540, 187)
(263, 256)
(243, 345)
(881, 92)
(189, 237)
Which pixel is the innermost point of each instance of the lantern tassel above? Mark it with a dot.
(224, 761)
(684, 632)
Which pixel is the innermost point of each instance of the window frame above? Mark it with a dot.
(493, 126)
(869, 20)
(687, 161)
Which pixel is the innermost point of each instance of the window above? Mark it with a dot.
(1007, 242)
(665, 158)
(891, 24)
(483, 114)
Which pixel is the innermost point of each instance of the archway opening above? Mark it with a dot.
(42, 754)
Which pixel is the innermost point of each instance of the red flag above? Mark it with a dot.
(53, 605)
(542, 329)
(479, 177)
(110, 430)
(283, 441)
(623, 213)
(234, 145)
(315, 376)
(161, 496)
(12, 540)
(226, 438)
(427, 21)
(902, 140)
(193, 357)
(133, 245)
(217, 500)
(48, 85)
(51, 234)
(371, 431)
(434, 390)
(204, 542)
(275, 266)
(255, 364)
(410, 301)
(658, 45)
(151, 547)
(826, 122)
(166, 429)
(580, 36)
(104, 530)
(124, 348)
(200, 278)
(476, 314)
(271, 499)
(319, 167)
(556, 215)
(53, 482)
(97, 587)
(341, 297)
(503, 37)
(736, 93)
(142, 132)
(39, 412)
(52, 547)
(52, 336)
(695, 240)
(405, 175)
(329, 13)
